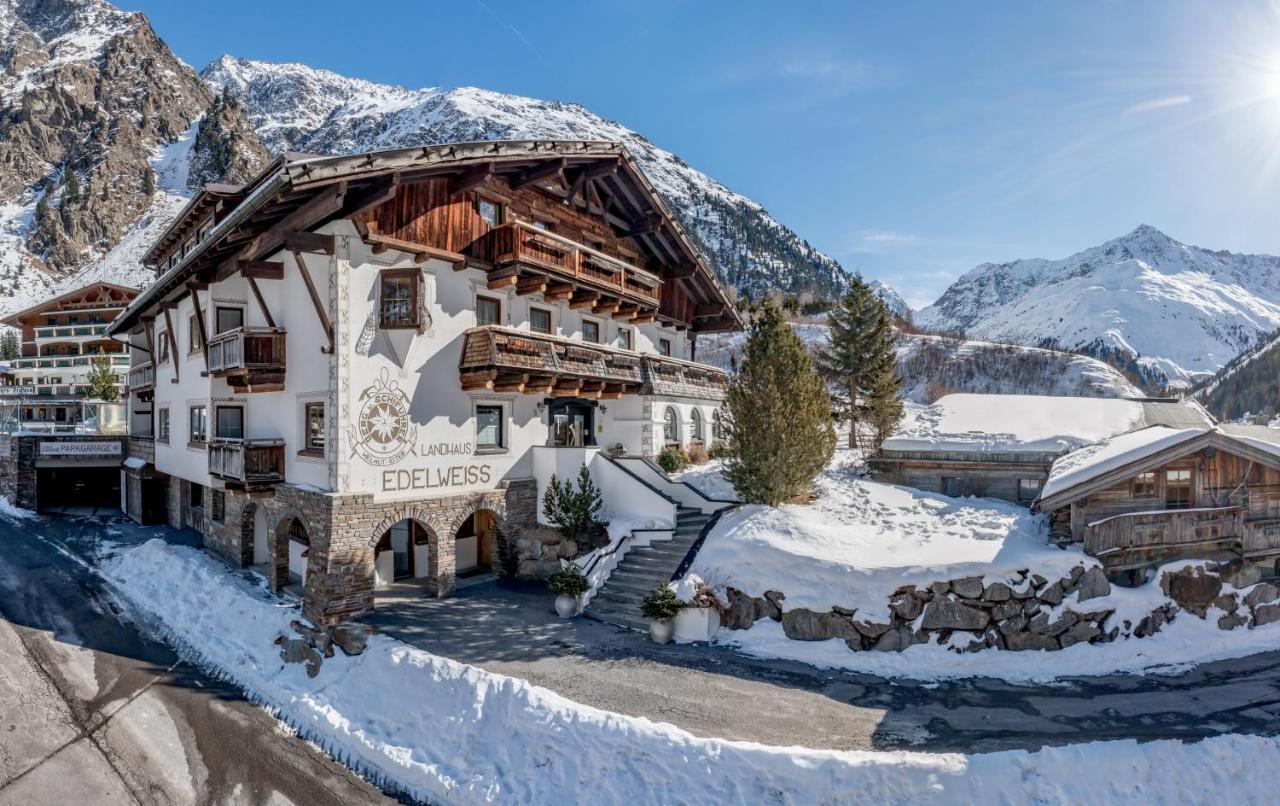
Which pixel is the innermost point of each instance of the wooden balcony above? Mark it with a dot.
(538, 261)
(142, 447)
(508, 360)
(1134, 539)
(142, 380)
(247, 462)
(252, 359)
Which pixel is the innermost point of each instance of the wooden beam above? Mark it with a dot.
(584, 299)
(608, 306)
(557, 291)
(315, 298)
(261, 269)
(500, 279)
(148, 329)
(262, 305)
(511, 383)
(540, 385)
(475, 381)
(173, 344)
(421, 252)
(712, 310)
(626, 311)
(552, 169)
(366, 198)
(300, 241)
(204, 335)
(679, 272)
(644, 318)
(652, 224)
(471, 178)
(324, 205)
(531, 284)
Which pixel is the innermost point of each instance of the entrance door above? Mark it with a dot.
(572, 424)
(473, 544)
(400, 547)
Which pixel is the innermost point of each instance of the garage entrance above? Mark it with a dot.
(78, 487)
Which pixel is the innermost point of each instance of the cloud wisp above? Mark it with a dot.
(1154, 104)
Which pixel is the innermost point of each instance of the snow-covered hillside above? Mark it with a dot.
(932, 366)
(1169, 311)
(298, 108)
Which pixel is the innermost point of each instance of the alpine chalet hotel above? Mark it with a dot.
(358, 369)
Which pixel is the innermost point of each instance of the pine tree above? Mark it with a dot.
(70, 185)
(575, 512)
(884, 405)
(102, 381)
(860, 357)
(9, 345)
(777, 415)
(149, 181)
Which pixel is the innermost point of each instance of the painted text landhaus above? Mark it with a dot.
(358, 369)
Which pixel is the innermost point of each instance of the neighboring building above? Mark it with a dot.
(61, 338)
(1162, 494)
(363, 368)
(1002, 446)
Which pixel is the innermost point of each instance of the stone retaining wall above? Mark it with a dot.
(1024, 612)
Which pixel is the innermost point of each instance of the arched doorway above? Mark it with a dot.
(403, 552)
(299, 546)
(475, 543)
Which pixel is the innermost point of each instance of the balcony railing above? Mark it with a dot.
(512, 360)
(142, 377)
(69, 331)
(247, 351)
(524, 245)
(142, 447)
(49, 362)
(1167, 531)
(247, 461)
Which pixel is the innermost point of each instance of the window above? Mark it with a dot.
(717, 425)
(399, 298)
(488, 311)
(539, 320)
(203, 232)
(229, 422)
(671, 425)
(1177, 488)
(952, 486)
(164, 346)
(193, 332)
(229, 318)
(197, 496)
(1144, 485)
(313, 428)
(489, 436)
(490, 211)
(590, 331)
(1029, 490)
(544, 225)
(695, 425)
(624, 338)
(664, 346)
(217, 506)
(198, 428)
(162, 425)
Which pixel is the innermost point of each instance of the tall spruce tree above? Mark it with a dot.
(9, 345)
(860, 361)
(778, 428)
(102, 381)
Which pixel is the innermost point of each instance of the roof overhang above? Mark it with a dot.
(15, 319)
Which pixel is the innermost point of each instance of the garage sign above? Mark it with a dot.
(111, 448)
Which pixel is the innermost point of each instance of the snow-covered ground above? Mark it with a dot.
(440, 730)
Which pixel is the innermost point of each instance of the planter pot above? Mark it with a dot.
(697, 624)
(566, 606)
(661, 631)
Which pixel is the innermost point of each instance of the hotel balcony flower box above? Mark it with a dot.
(510, 360)
(247, 462)
(250, 358)
(142, 380)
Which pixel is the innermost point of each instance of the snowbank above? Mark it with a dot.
(709, 480)
(441, 730)
(1014, 423)
(861, 540)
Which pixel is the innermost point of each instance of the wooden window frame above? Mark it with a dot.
(497, 303)
(501, 445)
(193, 335)
(414, 276)
(217, 317)
(599, 339)
(665, 347)
(309, 449)
(163, 419)
(226, 407)
(627, 337)
(499, 210)
(192, 442)
(1039, 486)
(550, 323)
(1138, 484)
(1190, 487)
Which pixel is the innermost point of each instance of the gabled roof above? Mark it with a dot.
(1097, 467)
(292, 190)
(15, 319)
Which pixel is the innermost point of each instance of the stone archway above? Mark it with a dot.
(437, 575)
(475, 542)
(407, 550)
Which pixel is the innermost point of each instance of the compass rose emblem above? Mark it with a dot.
(383, 433)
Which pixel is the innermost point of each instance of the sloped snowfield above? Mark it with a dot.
(443, 731)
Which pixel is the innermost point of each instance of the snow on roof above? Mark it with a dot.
(1014, 423)
(1090, 462)
(1261, 437)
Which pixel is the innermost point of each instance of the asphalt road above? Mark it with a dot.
(93, 712)
(716, 692)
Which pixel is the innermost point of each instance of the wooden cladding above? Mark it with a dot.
(247, 461)
(250, 358)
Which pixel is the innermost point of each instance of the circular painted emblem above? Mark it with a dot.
(384, 433)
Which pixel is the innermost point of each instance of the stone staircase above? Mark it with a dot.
(618, 600)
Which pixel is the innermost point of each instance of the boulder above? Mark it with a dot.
(1261, 593)
(1092, 585)
(351, 637)
(949, 614)
(1081, 632)
(1038, 581)
(1006, 610)
(1227, 602)
(1232, 620)
(967, 588)
(1192, 588)
(1150, 625)
(997, 592)
(1031, 606)
(1013, 625)
(1265, 614)
(1072, 579)
(298, 650)
(1021, 641)
(802, 624)
(848, 612)
(906, 606)
(871, 629)
(744, 610)
(1044, 624)
(774, 598)
(939, 588)
(895, 639)
(1052, 594)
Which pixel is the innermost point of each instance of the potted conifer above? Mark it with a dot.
(568, 584)
(660, 606)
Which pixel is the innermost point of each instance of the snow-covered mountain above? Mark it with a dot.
(299, 108)
(1247, 386)
(1169, 312)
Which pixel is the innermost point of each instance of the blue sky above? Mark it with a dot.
(910, 141)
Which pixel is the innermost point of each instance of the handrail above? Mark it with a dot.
(696, 546)
(237, 332)
(657, 467)
(580, 247)
(599, 348)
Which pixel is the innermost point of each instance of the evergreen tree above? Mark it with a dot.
(149, 181)
(102, 381)
(860, 357)
(70, 185)
(9, 345)
(884, 405)
(575, 512)
(777, 415)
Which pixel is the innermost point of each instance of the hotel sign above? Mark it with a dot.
(66, 448)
